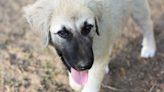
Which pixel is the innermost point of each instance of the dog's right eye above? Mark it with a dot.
(63, 34)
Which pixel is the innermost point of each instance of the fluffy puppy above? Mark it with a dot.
(82, 33)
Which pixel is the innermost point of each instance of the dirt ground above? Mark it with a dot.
(26, 66)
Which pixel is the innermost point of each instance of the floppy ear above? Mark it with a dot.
(38, 16)
(97, 27)
(97, 8)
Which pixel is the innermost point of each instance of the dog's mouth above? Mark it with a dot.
(80, 77)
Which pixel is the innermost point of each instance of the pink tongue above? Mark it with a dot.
(80, 78)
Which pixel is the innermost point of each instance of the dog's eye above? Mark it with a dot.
(63, 34)
(88, 28)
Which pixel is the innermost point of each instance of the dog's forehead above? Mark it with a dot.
(71, 14)
(72, 23)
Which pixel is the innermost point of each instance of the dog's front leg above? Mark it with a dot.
(96, 75)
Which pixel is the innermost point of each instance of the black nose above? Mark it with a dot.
(84, 65)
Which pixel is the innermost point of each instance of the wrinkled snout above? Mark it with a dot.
(78, 54)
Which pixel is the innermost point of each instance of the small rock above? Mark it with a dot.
(123, 71)
(162, 72)
(22, 89)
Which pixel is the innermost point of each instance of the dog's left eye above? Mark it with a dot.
(86, 30)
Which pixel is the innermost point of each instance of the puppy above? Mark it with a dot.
(82, 33)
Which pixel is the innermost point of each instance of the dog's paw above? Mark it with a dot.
(147, 52)
(106, 70)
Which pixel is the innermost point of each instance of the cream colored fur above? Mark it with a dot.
(47, 16)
